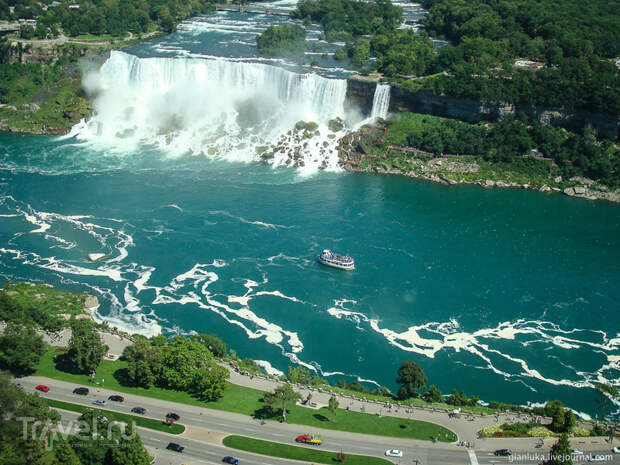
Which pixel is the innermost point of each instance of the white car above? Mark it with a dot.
(99, 402)
(616, 450)
(576, 452)
(394, 453)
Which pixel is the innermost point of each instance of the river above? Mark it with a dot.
(509, 295)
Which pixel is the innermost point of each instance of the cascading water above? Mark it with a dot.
(227, 109)
(380, 102)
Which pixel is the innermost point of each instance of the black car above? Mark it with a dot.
(172, 416)
(175, 447)
(140, 410)
(231, 460)
(82, 391)
(116, 398)
(503, 452)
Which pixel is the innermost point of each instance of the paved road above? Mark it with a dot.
(203, 425)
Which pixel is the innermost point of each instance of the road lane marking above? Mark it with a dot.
(472, 457)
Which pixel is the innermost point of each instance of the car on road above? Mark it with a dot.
(175, 447)
(231, 460)
(503, 452)
(616, 450)
(394, 453)
(311, 439)
(576, 452)
(42, 387)
(139, 410)
(172, 417)
(82, 391)
(116, 398)
(99, 402)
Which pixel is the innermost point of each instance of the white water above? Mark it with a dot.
(380, 102)
(213, 107)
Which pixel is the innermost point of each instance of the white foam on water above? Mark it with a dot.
(448, 336)
(268, 368)
(246, 221)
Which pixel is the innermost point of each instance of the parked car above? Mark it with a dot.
(140, 410)
(82, 391)
(99, 402)
(503, 452)
(116, 398)
(172, 416)
(394, 453)
(576, 452)
(616, 450)
(42, 387)
(175, 447)
(231, 460)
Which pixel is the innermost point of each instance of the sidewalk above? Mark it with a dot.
(466, 427)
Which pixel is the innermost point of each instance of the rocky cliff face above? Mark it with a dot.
(361, 93)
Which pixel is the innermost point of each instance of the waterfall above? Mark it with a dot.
(214, 107)
(380, 102)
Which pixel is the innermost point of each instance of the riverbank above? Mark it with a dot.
(42, 81)
(367, 151)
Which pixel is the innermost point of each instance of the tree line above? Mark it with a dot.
(574, 44)
(508, 141)
(285, 40)
(97, 18)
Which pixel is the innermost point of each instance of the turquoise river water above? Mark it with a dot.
(509, 295)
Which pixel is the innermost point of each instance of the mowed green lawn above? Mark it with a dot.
(247, 401)
(274, 449)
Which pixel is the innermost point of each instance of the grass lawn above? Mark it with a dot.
(247, 401)
(274, 449)
(149, 423)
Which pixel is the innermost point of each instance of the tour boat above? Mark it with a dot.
(344, 262)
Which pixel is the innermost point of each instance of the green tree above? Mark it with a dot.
(433, 395)
(129, 451)
(144, 362)
(209, 383)
(85, 347)
(21, 348)
(604, 395)
(360, 52)
(332, 406)
(555, 410)
(411, 377)
(569, 420)
(285, 40)
(560, 452)
(180, 358)
(215, 345)
(65, 455)
(281, 397)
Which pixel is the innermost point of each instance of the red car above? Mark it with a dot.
(42, 387)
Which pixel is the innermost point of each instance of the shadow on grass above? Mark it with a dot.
(122, 376)
(320, 417)
(63, 363)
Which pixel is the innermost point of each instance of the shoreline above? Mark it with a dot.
(452, 170)
(577, 191)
